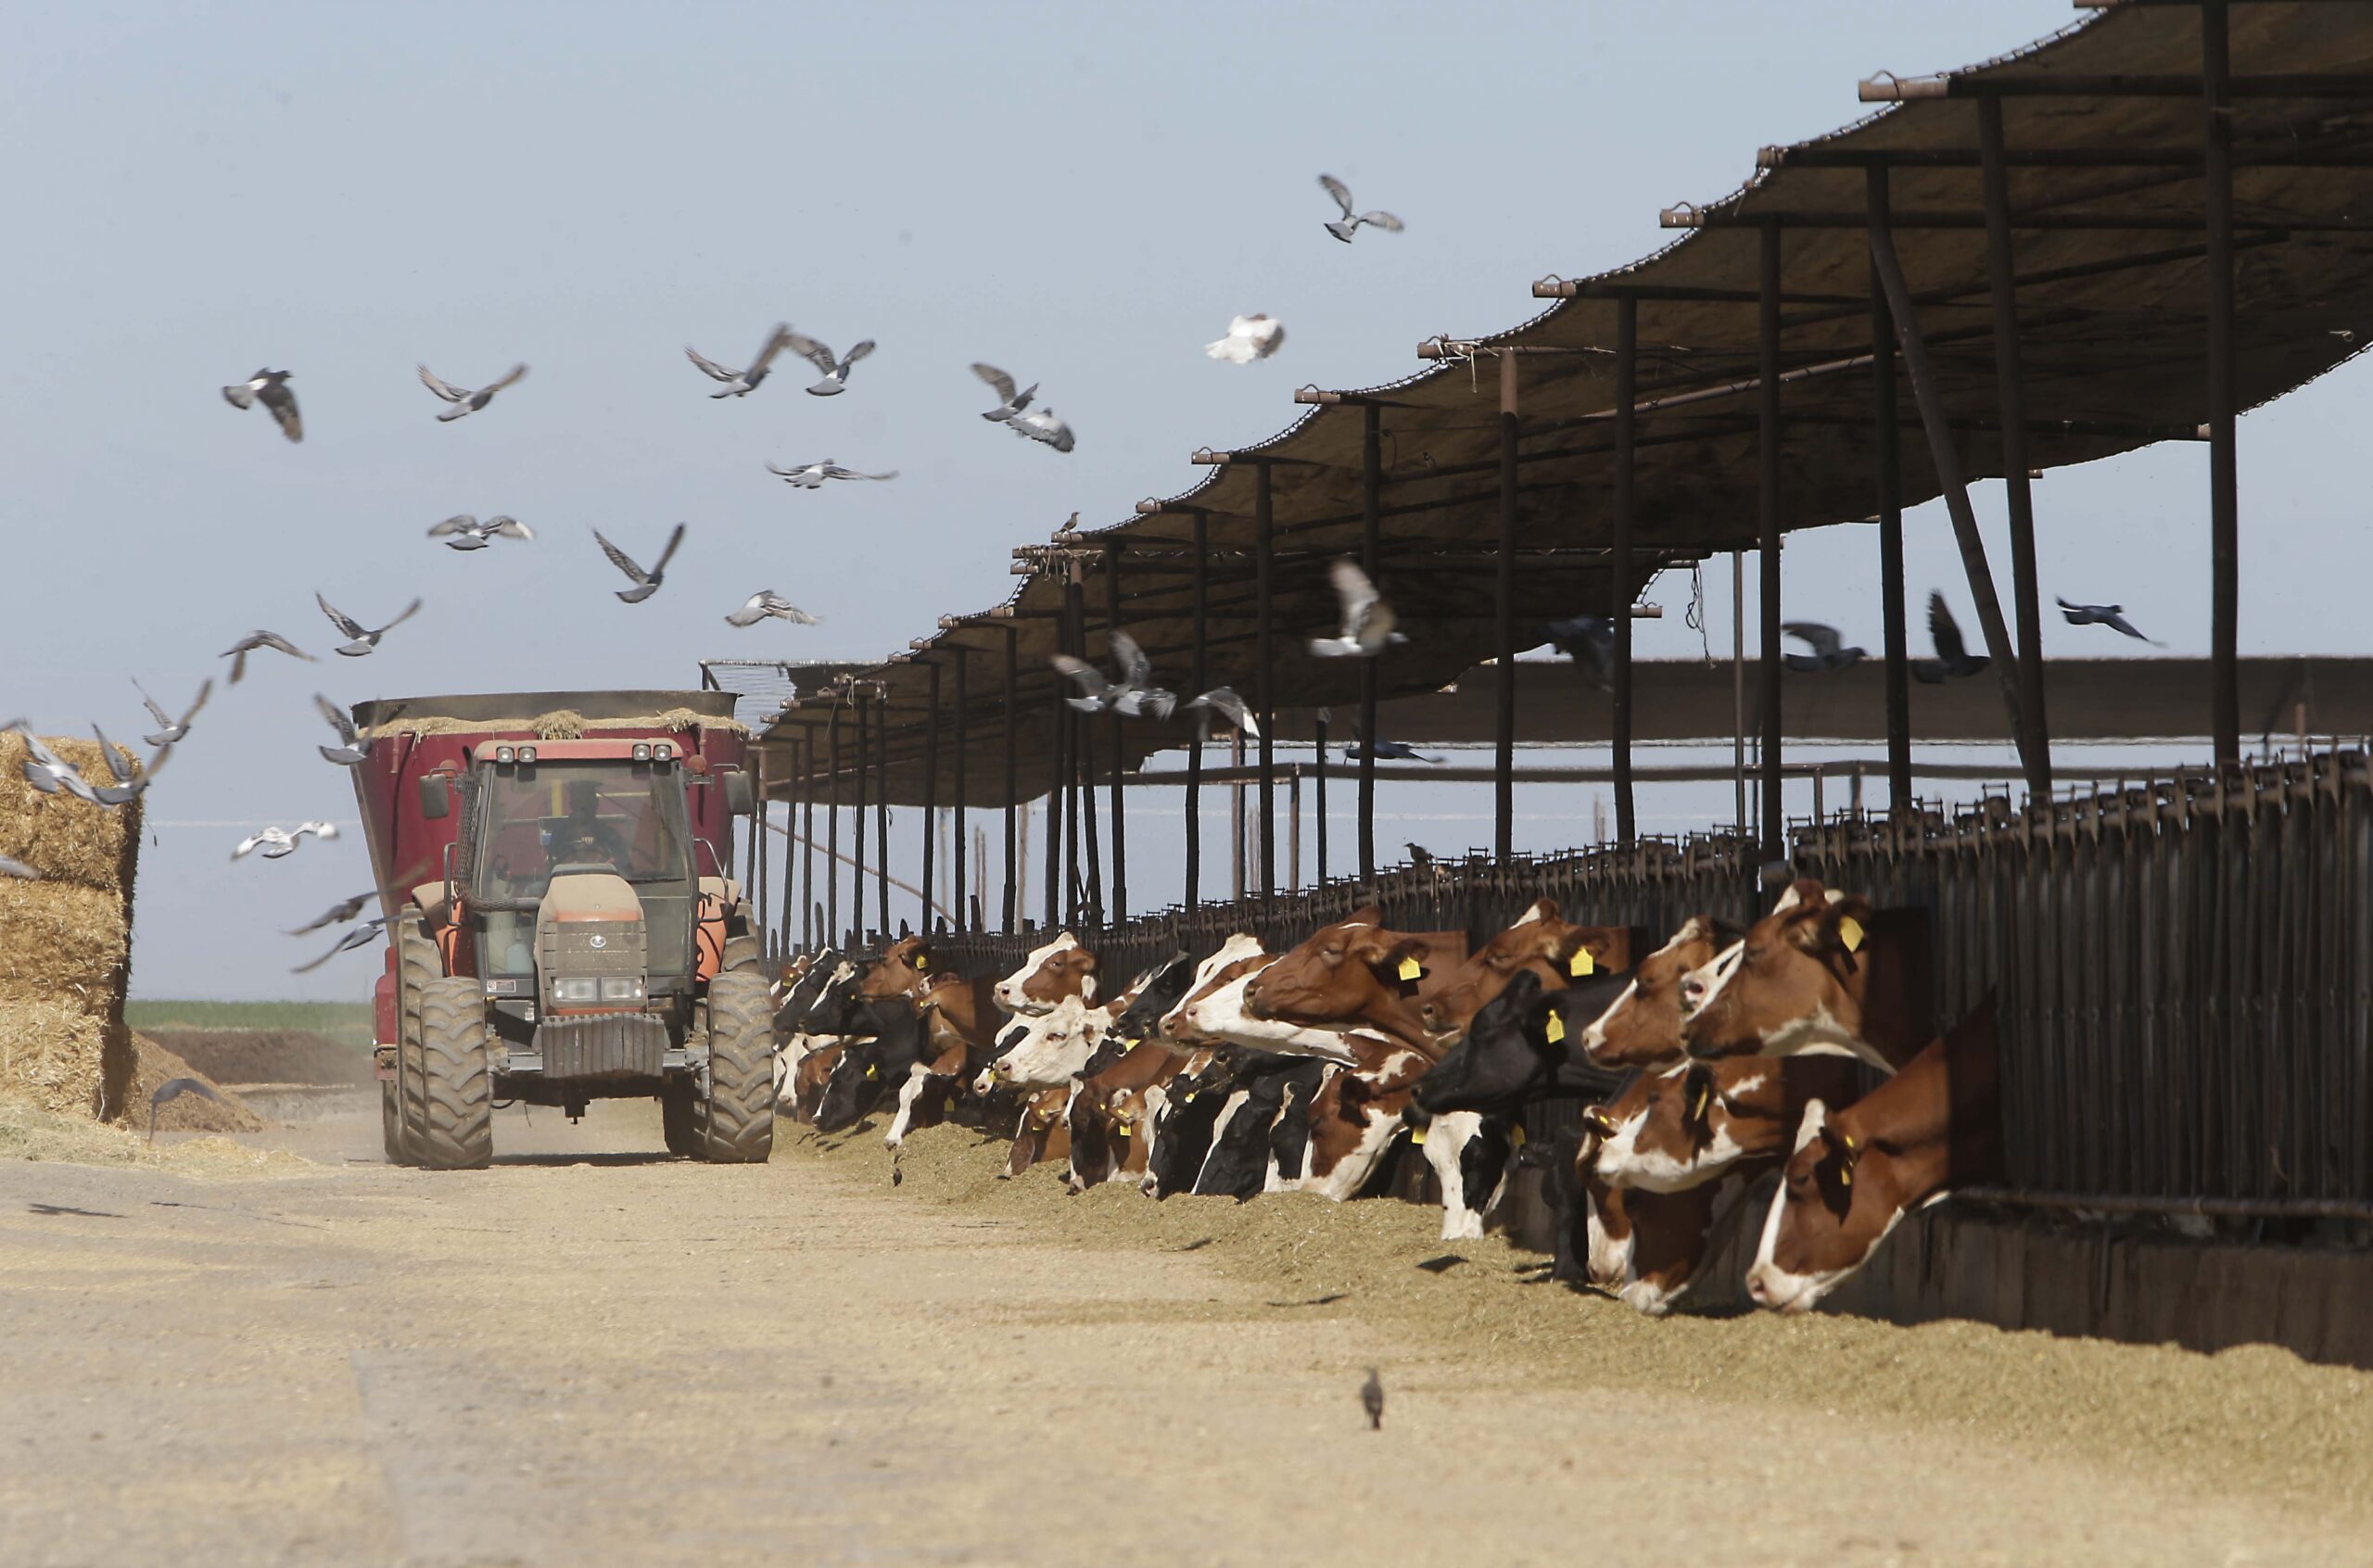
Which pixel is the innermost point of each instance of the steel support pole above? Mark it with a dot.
(1057, 792)
(2002, 275)
(797, 786)
(863, 771)
(882, 810)
(1888, 417)
(760, 808)
(809, 938)
(1264, 572)
(1087, 873)
(1626, 387)
(1371, 542)
(1768, 510)
(1197, 673)
(2224, 480)
(963, 845)
(1014, 914)
(833, 830)
(931, 791)
(1119, 821)
(1318, 781)
(1504, 619)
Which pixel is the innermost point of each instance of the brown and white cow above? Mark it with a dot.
(1644, 1247)
(1933, 1126)
(1042, 1133)
(1702, 1121)
(1541, 940)
(1356, 973)
(1213, 1012)
(1059, 968)
(1109, 1115)
(1641, 1025)
(1824, 974)
(1356, 1114)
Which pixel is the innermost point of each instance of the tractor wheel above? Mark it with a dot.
(391, 1127)
(742, 952)
(447, 1058)
(677, 1110)
(418, 966)
(736, 1124)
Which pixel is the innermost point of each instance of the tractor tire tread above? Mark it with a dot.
(736, 1124)
(456, 1129)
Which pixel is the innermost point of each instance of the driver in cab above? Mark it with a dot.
(581, 838)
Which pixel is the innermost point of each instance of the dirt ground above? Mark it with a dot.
(594, 1354)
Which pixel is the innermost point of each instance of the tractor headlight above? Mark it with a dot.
(566, 989)
(622, 988)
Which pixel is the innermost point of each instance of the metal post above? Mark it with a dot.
(1087, 876)
(1626, 371)
(1293, 829)
(798, 787)
(2002, 277)
(1371, 531)
(1503, 615)
(1738, 684)
(1196, 665)
(833, 830)
(1120, 823)
(1236, 819)
(761, 809)
(1888, 415)
(1318, 779)
(1768, 535)
(1264, 570)
(2223, 483)
(931, 790)
(1013, 912)
(963, 842)
(1057, 777)
(881, 807)
(809, 938)
(863, 772)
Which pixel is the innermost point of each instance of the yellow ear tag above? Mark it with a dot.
(871, 1070)
(948, 1106)
(1119, 1129)
(1416, 1134)
(1845, 1175)
(1698, 1112)
(1516, 1136)
(1555, 1028)
(1581, 963)
(1411, 968)
(921, 963)
(1849, 932)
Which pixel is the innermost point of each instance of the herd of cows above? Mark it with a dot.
(1717, 1059)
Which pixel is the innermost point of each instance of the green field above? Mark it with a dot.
(347, 1022)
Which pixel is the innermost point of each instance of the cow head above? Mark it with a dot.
(1051, 1048)
(1159, 992)
(1540, 943)
(1798, 984)
(1340, 971)
(903, 968)
(1519, 1048)
(834, 1006)
(1831, 1212)
(1063, 968)
(1641, 1026)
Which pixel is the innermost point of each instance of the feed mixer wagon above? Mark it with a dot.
(561, 924)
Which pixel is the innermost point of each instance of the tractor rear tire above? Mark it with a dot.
(736, 1124)
(742, 952)
(678, 1109)
(453, 1128)
(391, 1127)
(418, 966)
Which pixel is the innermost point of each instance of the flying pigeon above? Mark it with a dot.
(740, 382)
(645, 583)
(1009, 402)
(238, 653)
(173, 1089)
(1588, 641)
(45, 770)
(1386, 751)
(362, 935)
(276, 842)
(1372, 1401)
(1368, 619)
(1134, 695)
(1828, 652)
(18, 869)
(811, 475)
(1040, 425)
(171, 729)
(268, 388)
(360, 641)
(1953, 658)
(128, 785)
(351, 749)
(1352, 221)
(337, 915)
(759, 606)
(1223, 699)
(1249, 338)
(2110, 615)
(836, 370)
(465, 401)
(464, 532)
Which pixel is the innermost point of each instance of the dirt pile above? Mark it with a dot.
(184, 1113)
(267, 1056)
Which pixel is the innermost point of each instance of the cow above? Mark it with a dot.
(877, 1056)
(1519, 1048)
(1183, 1115)
(1357, 972)
(1116, 1104)
(1541, 944)
(1161, 989)
(1042, 1134)
(1854, 1173)
(1469, 1154)
(1050, 1049)
(1061, 968)
(1214, 1013)
(1703, 1119)
(1641, 1025)
(803, 1090)
(1643, 1247)
(1241, 1164)
(1354, 1115)
(1822, 974)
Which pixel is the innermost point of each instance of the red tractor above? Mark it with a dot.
(560, 925)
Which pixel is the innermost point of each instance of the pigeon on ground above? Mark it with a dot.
(2110, 615)
(811, 475)
(1368, 619)
(18, 870)
(1041, 425)
(740, 382)
(1386, 751)
(276, 842)
(1249, 338)
(645, 583)
(836, 370)
(360, 639)
(336, 913)
(360, 936)
(464, 532)
(1588, 641)
(465, 400)
(1134, 695)
(268, 388)
(1009, 402)
(1372, 1401)
(128, 785)
(169, 728)
(238, 653)
(760, 606)
(1828, 652)
(1223, 700)
(173, 1089)
(1352, 221)
(45, 770)
(350, 750)
(1953, 658)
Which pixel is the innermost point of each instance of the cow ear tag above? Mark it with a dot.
(1582, 964)
(1410, 968)
(1698, 1112)
(1555, 1030)
(1849, 932)
(1416, 1134)
(1516, 1136)
(921, 963)
(871, 1070)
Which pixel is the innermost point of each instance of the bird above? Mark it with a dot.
(1041, 425)
(761, 605)
(1828, 652)
(18, 870)
(1249, 338)
(1134, 695)
(1372, 1401)
(741, 383)
(275, 842)
(1419, 855)
(171, 729)
(836, 370)
(128, 785)
(1009, 402)
(1385, 750)
(268, 388)
(351, 749)
(464, 532)
(465, 400)
(45, 770)
(173, 1089)
(363, 935)
(1350, 220)
(337, 915)
(2110, 615)
(1368, 620)
(1588, 641)
(645, 583)
(811, 475)
(360, 640)
(238, 653)
(1223, 699)
(1953, 658)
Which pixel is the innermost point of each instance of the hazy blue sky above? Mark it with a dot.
(1084, 193)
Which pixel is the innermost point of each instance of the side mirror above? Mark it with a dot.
(436, 796)
(740, 798)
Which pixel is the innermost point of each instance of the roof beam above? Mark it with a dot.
(1890, 88)
(2047, 157)
(1972, 217)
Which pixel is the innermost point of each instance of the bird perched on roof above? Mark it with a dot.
(1223, 700)
(2110, 615)
(811, 475)
(768, 604)
(836, 370)
(1134, 695)
(1368, 621)
(350, 750)
(1350, 220)
(362, 935)
(18, 870)
(360, 638)
(337, 915)
(276, 842)
(268, 388)
(1041, 425)
(1009, 402)
(1372, 1401)
(1385, 750)
(171, 729)
(465, 532)
(128, 785)
(238, 653)
(1419, 855)
(1828, 652)
(1249, 338)
(740, 382)
(1953, 658)
(45, 770)
(1588, 641)
(173, 1089)
(465, 400)
(645, 583)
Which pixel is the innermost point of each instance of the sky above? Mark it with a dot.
(1083, 194)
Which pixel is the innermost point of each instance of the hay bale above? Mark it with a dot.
(64, 839)
(52, 1052)
(62, 940)
(560, 724)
